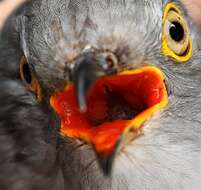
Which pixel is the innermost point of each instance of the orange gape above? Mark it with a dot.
(142, 89)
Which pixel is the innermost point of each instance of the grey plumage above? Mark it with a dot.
(51, 33)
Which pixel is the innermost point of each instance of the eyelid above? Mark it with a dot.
(172, 13)
(181, 47)
(33, 85)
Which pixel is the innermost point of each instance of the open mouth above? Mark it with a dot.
(115, 105)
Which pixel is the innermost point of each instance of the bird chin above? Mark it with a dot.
(145, 162)
(117, 107)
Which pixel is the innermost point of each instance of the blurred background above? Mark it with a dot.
(6, 7)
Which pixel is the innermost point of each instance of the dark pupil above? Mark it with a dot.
(176, 31)
(27, 73)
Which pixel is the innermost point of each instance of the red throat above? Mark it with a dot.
(116, 104)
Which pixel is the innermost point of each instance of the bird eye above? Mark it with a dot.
(29, 78)
(176, 40)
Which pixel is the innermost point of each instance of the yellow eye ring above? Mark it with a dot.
(176, 40)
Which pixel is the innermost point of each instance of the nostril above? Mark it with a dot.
(109, 63)
(111, 60)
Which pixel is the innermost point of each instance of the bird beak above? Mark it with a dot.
(87, 70)
(108, 110)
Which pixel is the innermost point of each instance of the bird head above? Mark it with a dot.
(120, 76)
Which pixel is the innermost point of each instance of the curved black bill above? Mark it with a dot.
(87, 70)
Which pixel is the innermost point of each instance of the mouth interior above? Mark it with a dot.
(114, 104)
